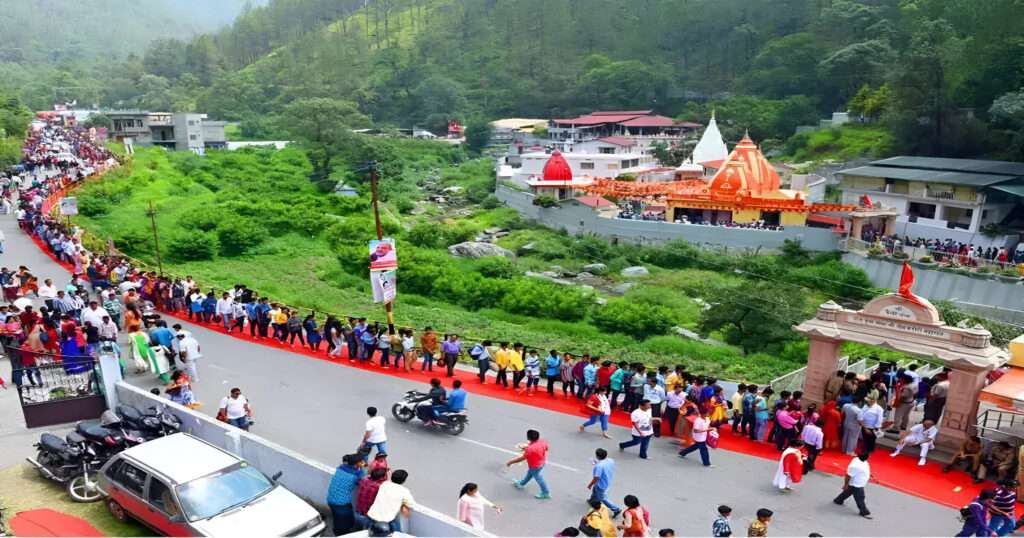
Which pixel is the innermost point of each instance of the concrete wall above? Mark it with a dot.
(973, 294)
(578, 219)
(306, 478)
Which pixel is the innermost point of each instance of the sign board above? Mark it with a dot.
(383, 284)
(896, 325)
(69, 206)
(383, 255)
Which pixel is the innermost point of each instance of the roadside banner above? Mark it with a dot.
(383, 255)
(69, 206)
(383, 284)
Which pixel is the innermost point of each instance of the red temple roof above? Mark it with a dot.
(618, 141)
(594, 201)
(650, 121)
(557, 168)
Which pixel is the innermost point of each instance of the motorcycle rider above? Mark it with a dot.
(456, 398)
(438, 399)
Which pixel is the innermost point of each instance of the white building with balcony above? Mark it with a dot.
(938, 198)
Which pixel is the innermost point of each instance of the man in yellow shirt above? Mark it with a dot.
(502, 359)
(737, 406)
(675, 378)
(517, 365)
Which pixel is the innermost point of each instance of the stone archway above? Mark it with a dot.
(910, 324)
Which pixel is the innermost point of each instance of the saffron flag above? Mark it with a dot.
(906, 283)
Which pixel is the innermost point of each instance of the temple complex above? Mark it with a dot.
(744, 189)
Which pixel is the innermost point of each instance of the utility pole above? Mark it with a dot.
(372, 167)
(156, 240)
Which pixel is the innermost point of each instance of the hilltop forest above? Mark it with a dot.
(944, 77)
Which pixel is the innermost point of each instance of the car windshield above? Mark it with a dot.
(210, 495)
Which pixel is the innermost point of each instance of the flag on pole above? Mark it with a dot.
(906, 283)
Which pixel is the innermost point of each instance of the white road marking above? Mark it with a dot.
(514, 453)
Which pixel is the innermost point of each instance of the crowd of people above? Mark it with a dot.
(108, 295)
(947, 251)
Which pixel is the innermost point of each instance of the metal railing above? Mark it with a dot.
(45, 377)
(996, 425)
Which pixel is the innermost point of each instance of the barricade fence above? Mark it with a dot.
(915, 253)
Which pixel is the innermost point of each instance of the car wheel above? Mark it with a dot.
(82, 488)
(117, 511)
(402, 413)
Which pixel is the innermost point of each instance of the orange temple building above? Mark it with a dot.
(745, 189)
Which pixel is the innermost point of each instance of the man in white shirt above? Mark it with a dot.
(48, 292)
(393, 499)
(857, 475)
(108, 330)
(225, 309)
(235, 410)
(375, 434)
(813, 438)
(188, 351)
(642, 428)
(701, 427)
(94, 314)
(871, 423)
(922, 435)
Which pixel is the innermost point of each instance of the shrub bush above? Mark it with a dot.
(638, 321)
(203, 219)
(195, 246)
(426, 235)
(237, 236)
(534, 297)
(497, 267)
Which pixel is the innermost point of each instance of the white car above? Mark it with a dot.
(180, 485)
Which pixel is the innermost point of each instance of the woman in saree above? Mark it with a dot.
(833, 419)
(72, 357)
(718, 409)
(145, 358)
(179, 390)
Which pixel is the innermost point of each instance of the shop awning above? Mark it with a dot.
(1007, 391)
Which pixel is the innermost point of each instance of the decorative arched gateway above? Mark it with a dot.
(910, 324)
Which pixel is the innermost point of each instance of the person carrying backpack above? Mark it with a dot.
(482, 357)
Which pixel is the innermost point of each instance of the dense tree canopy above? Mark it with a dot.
(765, 65)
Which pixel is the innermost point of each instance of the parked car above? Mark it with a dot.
(180, 485)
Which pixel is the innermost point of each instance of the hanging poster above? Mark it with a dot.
(383, 255)
(69, 205)
(383, 284)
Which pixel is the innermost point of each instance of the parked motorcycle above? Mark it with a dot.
(152, 423)
(416, 404)
(73, 463)
(108, 436)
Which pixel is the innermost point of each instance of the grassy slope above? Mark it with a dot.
(303, 271)
(844, 143)
(21, 489)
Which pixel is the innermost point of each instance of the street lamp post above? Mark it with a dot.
(372, 168)
(151, 212)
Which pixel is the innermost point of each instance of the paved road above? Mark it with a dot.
(317, 408)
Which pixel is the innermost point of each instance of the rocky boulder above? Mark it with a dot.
(636, 271)
(476, 249)
(595, 268)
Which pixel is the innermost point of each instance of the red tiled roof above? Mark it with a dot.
(597, 119)
(650, 121)
(594, 201)
(621, 112)
(826, 219)
(618, 141)
(690, 125)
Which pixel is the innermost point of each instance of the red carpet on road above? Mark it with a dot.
(901, 473)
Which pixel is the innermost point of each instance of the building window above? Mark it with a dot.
(606, 151)
(586, 166)
(191, 122)
(193, 137)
